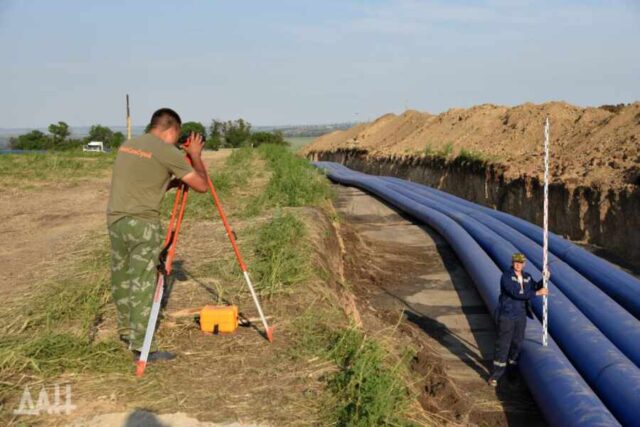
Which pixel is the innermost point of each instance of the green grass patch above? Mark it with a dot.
(443, 153)
(471, 159)
(53, 331)
(294, 182)
(368, 387)
(282, 256)
(53, 166)
(52, 353)
(236, 173)
(369, 390)
(278, 258)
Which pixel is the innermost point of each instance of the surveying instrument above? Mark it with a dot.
(166, 261)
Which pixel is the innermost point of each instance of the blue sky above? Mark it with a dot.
(298, 61)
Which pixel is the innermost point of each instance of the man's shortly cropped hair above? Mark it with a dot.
(164, 119)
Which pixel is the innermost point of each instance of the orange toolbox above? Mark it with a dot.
(222, 319)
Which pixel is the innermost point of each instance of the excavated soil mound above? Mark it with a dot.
(597, 147)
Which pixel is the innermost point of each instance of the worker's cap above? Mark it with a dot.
(518, 257)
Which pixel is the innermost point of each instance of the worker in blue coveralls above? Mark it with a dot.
(516, 289)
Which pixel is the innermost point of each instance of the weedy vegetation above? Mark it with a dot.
(52, 167)
(54, 330)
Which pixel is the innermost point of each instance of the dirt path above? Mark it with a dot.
(40, 228)
(413, 269)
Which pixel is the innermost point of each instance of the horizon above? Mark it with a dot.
(293, 125)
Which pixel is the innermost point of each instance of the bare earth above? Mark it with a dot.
(589, 146)
(39, 227)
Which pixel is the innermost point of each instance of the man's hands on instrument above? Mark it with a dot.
(194, 145)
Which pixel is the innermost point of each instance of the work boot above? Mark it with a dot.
(512, 371)
(155, 356)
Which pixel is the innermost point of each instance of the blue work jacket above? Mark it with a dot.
(514, 302)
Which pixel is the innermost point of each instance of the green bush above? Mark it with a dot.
(261, 138)
(471, 159)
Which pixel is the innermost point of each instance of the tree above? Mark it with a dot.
(214, 142)
(236, 133)
(34, 140)
(195, 127)
(106, 135)
(100, 133)
(276, 137)
(60, 132)
(118, 139)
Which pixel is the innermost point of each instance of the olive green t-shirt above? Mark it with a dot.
(141, 173)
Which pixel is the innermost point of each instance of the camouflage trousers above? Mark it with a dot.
(135, 247)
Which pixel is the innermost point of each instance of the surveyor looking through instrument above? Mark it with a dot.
(517, 287)
(145, 167)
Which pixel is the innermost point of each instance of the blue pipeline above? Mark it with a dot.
(563, 395)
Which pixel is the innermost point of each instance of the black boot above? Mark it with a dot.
(155, 356)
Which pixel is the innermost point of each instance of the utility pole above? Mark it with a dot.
(128, 119)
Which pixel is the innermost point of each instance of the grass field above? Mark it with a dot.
(32, 169)
(63, 329)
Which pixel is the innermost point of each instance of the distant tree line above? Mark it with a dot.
(58, 138)
(313, 130)
(232, 134)
(221, 134)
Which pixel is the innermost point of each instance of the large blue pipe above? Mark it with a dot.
(617, 324)
(609, 372)
(619, 285)
(563, 396)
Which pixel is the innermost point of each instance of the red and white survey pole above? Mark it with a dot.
(545, 239)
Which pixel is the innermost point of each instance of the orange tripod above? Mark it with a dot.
(166, 261)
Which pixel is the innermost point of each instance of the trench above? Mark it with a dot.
(606, 220)
(403, 268)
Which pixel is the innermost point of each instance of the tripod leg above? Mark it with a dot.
(151, 326)
(268, 330)
(172, 239)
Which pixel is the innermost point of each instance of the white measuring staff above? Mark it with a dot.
(545, 244)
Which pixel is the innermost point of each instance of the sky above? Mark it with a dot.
(276, 62)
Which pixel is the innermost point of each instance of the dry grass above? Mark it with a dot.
(64, 331)
(54, 167)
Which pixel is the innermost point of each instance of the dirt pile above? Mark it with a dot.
(589, 146)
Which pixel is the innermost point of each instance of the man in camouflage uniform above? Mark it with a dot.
(143, 170)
